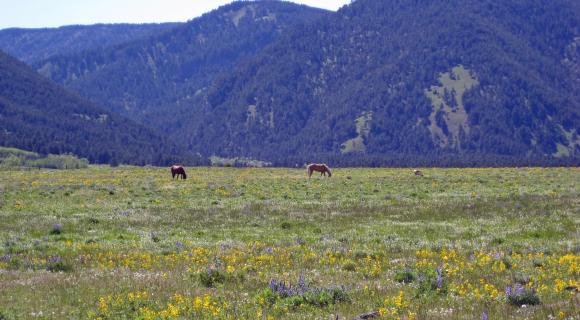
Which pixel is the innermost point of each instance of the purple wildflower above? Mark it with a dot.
(484, 315)
(299, 240)
(5, 258)
(56, 228)
(54, 259)
(281, 288)
(179, 245)
(406, 268)
(519, 289)
(508, 291)
(273, 285)
(269, 250)
(439, 280)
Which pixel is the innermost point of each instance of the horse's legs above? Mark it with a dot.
(309, 173)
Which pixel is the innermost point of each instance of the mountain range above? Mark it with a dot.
(377, 82)
(41, 116)
(422, 78)
(33, 45)
(153, 79)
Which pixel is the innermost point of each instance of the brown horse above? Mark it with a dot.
(177, 170)
(322, 168)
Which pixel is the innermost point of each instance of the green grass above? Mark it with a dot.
(134, 244)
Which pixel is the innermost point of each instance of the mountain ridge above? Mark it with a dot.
(40, 116)
(153, 77)
(36, 44)
(317, 81)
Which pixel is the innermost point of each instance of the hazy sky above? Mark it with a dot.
(54, 13)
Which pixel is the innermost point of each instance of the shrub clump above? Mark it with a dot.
(349, 265)
(55, 264)
(290, 296)
(520, 295)
(405, 276)
(285, 225)
(432, 281)
(211, 277)
(56, 229)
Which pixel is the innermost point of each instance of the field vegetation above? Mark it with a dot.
(12, 158)
(231, 243)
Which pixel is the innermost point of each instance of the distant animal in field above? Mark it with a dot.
(318, 167)
(177, 170)
(418, 173)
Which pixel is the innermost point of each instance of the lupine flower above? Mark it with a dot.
(439, 276)
(508, 291)
(179, 245)
(484, 316)
(56, 228)
(406, 268)
(269, 250)
(301, 282)
(54, 259)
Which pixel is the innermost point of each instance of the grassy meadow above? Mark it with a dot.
(227, 243)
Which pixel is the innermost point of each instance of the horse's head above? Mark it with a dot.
(328, 170)
(184, 175)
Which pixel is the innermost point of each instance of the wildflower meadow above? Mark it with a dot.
(232, 243)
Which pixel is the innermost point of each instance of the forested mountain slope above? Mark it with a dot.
(38, 115)
(33, 45)
(157, 79)
(425, 78)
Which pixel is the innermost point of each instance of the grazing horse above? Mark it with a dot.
(418, 173)
(322, 168)
(177, 170)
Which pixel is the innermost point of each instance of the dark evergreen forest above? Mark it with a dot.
(40, 116)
